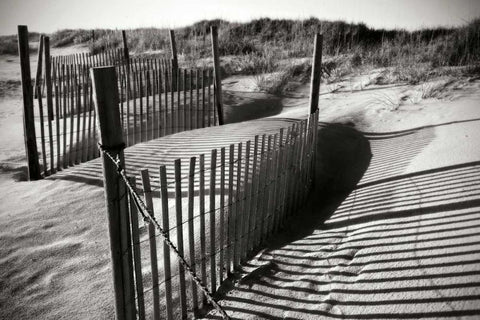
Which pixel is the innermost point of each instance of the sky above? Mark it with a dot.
(52, 15)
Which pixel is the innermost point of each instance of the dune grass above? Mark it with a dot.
(267, 46)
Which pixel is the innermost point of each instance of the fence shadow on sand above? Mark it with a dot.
(396, 246)
(163, 151)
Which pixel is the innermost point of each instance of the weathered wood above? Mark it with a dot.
(57, 125)
(77, 146)
(147, 191)
(237, 216)
(154, 104)
(50, 113)
(105, 95)
(129, 96)
(38, 76)
(161, 114)
(65, 100)
(166, 122)
(71, 89)
(126, 55)
(253, 197)
(191, 114)
(218, 79)
(173, 51)
(213, 264)
(135, 134)
(147, 105)
(209, 99)
(184, 109)
(42, 134)
(141, 94)
(203, 245)
(166, 248)
(272, 185)
(172, 101)
(191, 230)
(179, 220)
(316, 73)
(230, 234)
(266, 192)
(204, 105)
(91, 143)
(178, 107)
(245, 221)
(137, 256)
(222, 214)
(260, 194)
(278, 182)
(197, 88)
(84, 124)
(28, 116)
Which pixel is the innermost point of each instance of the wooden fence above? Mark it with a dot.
(226, 204)
(152, 105)
(236, 198)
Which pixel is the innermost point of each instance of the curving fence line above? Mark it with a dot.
(156, 99)
(230, 207)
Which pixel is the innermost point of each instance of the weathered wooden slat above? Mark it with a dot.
(166, 248)
(42, 133)
(230, 234)
(253, 197)
(237, 217)
(245, 221)
(147, 191)
(191, 230)
(213, 264)
(203, 245)
(137, 257)
(179, 220)
(222, 214)
(57, 126)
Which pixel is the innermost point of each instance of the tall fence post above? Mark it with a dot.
(48, 77)
(173, 46)
(38, 76)
(218, 78)
(126, 55)
(28, 118)
(105, 97)
(316, 73)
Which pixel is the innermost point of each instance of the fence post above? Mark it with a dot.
(48, 77)
(38, 76)
(173, 46)
(316, 73)
(126, 55)
(105, 97)
(28, 118)
(218, 78)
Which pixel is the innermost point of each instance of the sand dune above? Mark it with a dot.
(404, 243)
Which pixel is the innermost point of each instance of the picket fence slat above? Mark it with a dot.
(153, 243)
(137, 257)
(191, 229)
(166, 249)
(213, 184)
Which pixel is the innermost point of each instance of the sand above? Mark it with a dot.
(404, 243)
